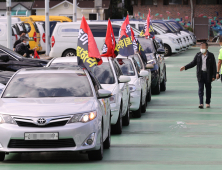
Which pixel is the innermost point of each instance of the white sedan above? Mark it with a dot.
(54, 109)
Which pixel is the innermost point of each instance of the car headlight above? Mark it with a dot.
(112, 99)
(132, 88)
(83, 117)
(173, 40)
(6, 119)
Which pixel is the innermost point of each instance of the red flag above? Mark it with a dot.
(147, 33)
(36, 54)
(87, 50)
(110, 42)
(125, 28)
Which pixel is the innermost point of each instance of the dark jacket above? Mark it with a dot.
(22, 49)
(210, 64)
(18, 42)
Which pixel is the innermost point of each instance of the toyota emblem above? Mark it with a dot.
(41, 121)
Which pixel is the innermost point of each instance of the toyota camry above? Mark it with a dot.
(54, 109)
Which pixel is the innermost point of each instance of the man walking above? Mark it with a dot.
(206, 72)
(219, 66)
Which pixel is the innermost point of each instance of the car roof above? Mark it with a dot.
(44, 70)
(65, 59)
(89, 22)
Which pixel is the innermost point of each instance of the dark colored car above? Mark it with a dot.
(12, 61)
(5, 76)
(154, 56)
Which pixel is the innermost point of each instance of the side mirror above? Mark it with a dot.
(143, 73)
(149, 66)
(4, 57)
(124, 79)
(104, 93)
(160, 51)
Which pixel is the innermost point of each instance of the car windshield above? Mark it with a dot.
(147, 45)
(104, 73)
(48, 85)
(176, 26)
(126, 66)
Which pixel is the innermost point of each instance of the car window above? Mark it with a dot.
(48, 85)
(126, 67)
(104, 73)
(8, 51)
(136, 65)
(116, 30)
(28, 27)
(147, 45)
(140, 64)
(133, 25)
(162, 26)
(36, 28)
(98, 30)
(141, 26)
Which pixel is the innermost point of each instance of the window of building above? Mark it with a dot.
(210, 2)
(134, 2)
(146, 2)
(175, 2)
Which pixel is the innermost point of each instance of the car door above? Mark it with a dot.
(104, 105)
(123, 86)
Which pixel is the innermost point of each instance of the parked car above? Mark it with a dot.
(182, 29)
(33, 32)
(137, 85)
(64, 37)
(153, 53)
(12, 61)
(54, 116)
(3, 35)
(111, 78)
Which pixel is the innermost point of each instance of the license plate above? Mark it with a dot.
(41, 136)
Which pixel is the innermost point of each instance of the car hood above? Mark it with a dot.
(110, 87)
(46, 107)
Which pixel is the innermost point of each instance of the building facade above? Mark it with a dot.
(178, 9)
(65, 8)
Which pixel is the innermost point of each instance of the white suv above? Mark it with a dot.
(65, 36)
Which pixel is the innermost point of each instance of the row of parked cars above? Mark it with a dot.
(33, 26)
(57, 106)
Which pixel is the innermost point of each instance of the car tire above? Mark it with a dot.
(156, 90)
(126, 118)
(2, 156)
(149, 96)
(167, 50)
(97, 154)
(163, 83)
(69, 53)
(137, 113)
(117, 128)
(143, 108)
(107, 142)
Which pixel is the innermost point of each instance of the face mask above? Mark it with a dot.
(202, 50)
(27, 42)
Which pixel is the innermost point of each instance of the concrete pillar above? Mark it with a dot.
(9, 25)
(47, 38)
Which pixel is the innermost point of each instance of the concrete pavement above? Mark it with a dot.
(173, 133)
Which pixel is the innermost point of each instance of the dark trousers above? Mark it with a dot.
(201, 88)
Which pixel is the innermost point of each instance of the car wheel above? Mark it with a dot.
(137, 113)
(143, 108)
(156, 90)
(69, 53)
(2, 156)
(126, 118)
(167, 50)
(97, 154)
(149, 96)
(117, 128)
(107, 142)
(163, 84)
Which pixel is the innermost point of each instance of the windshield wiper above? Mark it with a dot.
(13, 97)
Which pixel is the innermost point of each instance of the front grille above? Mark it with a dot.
(21, 143)
(54, 124)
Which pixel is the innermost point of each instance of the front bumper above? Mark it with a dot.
(79, 132)
(135, 98)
